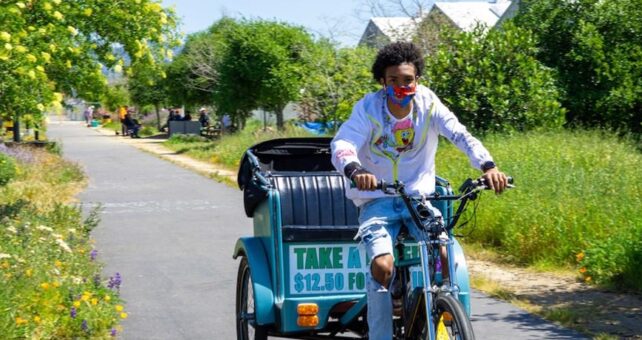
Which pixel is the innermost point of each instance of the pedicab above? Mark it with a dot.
(302, 274)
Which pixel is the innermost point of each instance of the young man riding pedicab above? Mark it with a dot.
(392, 134)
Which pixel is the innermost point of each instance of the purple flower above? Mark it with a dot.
(20, 153)
(114, 282)
(93, 254)
(113, 332)
(97, 280)
(73, 312)
(84, 325)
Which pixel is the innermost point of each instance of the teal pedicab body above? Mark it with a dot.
(303, 249)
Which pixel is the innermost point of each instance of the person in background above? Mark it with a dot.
(132, 125)
(122, 112)
(188, 116)
(203, 117)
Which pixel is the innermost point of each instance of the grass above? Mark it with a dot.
(51, 282)
(229, 149)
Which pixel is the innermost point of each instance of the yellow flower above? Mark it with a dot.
(47, 6)
(31, 58)
(52, 47)
(107, 298)
(40, 68)
(94, 301)
(57, 2)
(580, 256)
(21, 49)
(31, 74)
(119, 308)
(5, 264)
(20, 321)
(88, 11)
(58, 264)
(29, 272)
(58, 15)
(44, 285)
(118, 69)
(587, 279)
(68, 63)
(21, 5)
(72, 30)
(36, 319)
(56, 284)
(583, 270)
(85, 297)
(41, 108)
(123, 315)
(5, 36)
(76, 303)
(46, 56)
(8, 47)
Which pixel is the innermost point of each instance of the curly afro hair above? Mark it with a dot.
(396, 54)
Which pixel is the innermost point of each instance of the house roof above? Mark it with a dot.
(467, 14)
(395, 28)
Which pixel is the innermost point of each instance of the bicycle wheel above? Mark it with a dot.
(246, 327)
(450, 319)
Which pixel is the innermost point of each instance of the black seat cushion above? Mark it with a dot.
(314, 207)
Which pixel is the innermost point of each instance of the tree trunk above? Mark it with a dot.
(279, 118)
(158, 122)
(16, 128)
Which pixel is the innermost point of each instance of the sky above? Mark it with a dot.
(337, 19)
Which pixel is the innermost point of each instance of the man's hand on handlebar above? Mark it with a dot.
(495, 180)
(364, 180)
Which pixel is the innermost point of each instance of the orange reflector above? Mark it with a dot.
(309, 309)
(307, 321)
(447, 316)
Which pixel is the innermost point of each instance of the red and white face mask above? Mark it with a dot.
(401, 95)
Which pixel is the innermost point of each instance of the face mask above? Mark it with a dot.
(406, 93)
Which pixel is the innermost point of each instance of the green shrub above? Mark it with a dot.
(576, 192)
(7, 169)
(148, 131)
(493, 82)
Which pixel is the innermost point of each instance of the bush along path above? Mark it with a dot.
(50, 277)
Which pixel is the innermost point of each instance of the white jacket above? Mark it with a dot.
(404, 149)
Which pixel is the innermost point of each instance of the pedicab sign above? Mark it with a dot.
(327, 269)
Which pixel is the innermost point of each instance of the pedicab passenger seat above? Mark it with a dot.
(313, 205)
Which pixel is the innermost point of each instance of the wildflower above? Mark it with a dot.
(29, 272)
(8, 46)
(587, 279)
(44, 228)
(4, 256)
(5, 36)
(115, 282)
(12, 230)
(76, 304)
(107, 298)
(84, 325)
(73, 312)
(85, 297)
(5, 264)
(580, 256)
(63, 245)
(58, 264)
(88, 12)
(44, 285)
(583, 270)
(97, 280)
(94, 301)
(20, 321)
(123, 315)
(56, 284)
(93, 254)
(113, 332)
(36, 319)
(72, 30)
(58, 15)
(119, 308)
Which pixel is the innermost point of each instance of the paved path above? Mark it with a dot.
(170, 233)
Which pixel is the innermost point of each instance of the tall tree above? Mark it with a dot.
(596, 48)
(48, 48)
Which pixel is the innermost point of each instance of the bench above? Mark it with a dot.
(211, 132)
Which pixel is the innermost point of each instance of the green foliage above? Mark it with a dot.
(576, 191)
(7, 169)
(115, 96)
(493, 82)
(596, 47)
(52, 47)
(336, 81)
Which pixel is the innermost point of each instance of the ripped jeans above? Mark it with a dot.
(380, 222)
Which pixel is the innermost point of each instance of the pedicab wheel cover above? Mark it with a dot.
(246, 328)
(451, 321)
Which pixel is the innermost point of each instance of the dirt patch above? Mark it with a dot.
(563, 298)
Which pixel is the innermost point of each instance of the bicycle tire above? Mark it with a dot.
(246, 329)
(457, 324)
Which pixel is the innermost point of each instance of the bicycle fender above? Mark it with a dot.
(462, 278)
(252, 249)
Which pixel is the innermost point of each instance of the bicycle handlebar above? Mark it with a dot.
(468, 186)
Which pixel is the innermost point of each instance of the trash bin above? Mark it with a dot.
(94, 123)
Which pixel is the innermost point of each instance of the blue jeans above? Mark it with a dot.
(380, 222)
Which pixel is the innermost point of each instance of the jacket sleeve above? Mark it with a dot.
(450, 127)
(352, 135)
